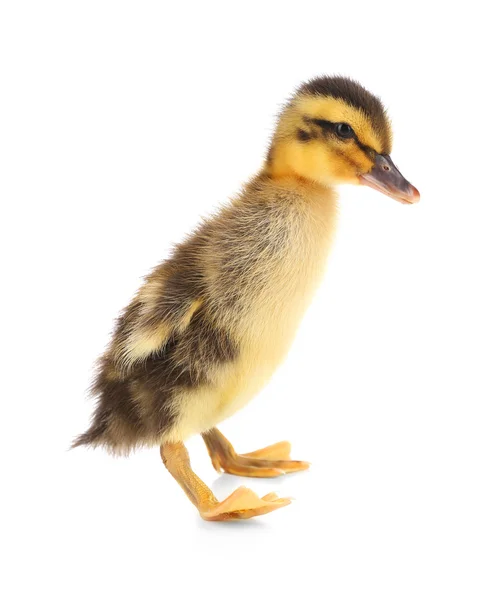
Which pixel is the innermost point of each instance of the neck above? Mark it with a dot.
(284, 164)
(289, 179)
(302, 195)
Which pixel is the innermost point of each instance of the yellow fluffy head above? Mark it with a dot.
(330, 133)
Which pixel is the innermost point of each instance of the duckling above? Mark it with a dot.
(209, 326)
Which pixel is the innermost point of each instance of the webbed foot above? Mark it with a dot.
(271, 461)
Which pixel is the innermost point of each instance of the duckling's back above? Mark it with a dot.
(210, 324)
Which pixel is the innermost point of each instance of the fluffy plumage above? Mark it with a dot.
(211, 323)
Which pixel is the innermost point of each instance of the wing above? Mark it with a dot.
(163, 307)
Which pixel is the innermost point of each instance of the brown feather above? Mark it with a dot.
(210, 324)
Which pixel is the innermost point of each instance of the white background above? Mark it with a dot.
(120, 124)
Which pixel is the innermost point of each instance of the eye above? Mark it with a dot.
(344, 130)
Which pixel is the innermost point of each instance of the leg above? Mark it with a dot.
(242, 504)
(271, 461)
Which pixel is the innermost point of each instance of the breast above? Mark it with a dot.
(271, 328)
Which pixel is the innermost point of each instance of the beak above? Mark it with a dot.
(386, 178)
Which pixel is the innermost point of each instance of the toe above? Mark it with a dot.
(257, 470)
(271, 496)
(263, 467)
(279, 451)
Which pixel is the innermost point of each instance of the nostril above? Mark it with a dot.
(386, 167)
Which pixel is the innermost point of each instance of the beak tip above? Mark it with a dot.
(415, 195)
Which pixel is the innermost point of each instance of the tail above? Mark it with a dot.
(92, 437)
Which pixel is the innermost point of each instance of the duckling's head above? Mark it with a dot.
(334, 131)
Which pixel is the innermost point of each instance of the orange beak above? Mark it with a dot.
(386, 178)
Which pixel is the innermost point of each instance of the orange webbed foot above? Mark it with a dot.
(243, 503)
(271, 461)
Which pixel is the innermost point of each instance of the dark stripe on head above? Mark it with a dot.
(304, 136)
(328, 128)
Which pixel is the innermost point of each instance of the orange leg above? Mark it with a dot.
(241, 504)
(271, 461)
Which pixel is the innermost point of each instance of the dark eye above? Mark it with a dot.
(344, 130)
